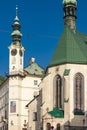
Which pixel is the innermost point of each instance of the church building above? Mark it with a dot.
(32, 98)
(62, 98)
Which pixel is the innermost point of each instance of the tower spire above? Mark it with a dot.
(16, 34)
(16, 53)
(70, 13)
(16, 10)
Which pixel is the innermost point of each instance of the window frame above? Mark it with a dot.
(78, 93)
(57, 91)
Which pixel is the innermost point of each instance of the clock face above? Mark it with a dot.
(20, 52)
(13, 52)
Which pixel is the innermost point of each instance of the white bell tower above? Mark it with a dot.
(16, 50)
(16, 75)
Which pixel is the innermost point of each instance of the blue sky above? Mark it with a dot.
(42, 25)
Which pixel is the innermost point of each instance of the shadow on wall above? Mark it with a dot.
(38, 122)
(79, 122)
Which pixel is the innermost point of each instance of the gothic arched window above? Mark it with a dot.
(57, 92)
(48, 126)
(58, 127)
(79, 93)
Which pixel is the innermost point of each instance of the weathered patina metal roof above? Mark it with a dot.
(57, 113)
(34, 69)
(16, 34)
(72, 48)
(2, 79)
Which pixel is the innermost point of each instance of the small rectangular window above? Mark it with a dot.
(34, 116)
(35, 82)
(12, 106)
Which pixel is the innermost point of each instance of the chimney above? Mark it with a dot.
(32, 60)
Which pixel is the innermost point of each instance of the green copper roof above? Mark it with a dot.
(16, 34)
(57, 113)
(2, 79)
(34, 69)
(72, 48)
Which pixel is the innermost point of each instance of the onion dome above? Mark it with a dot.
(16, 34)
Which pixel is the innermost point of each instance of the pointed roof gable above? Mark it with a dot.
(72, 48)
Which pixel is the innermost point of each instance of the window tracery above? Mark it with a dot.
(57, 92)
(79, 92)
